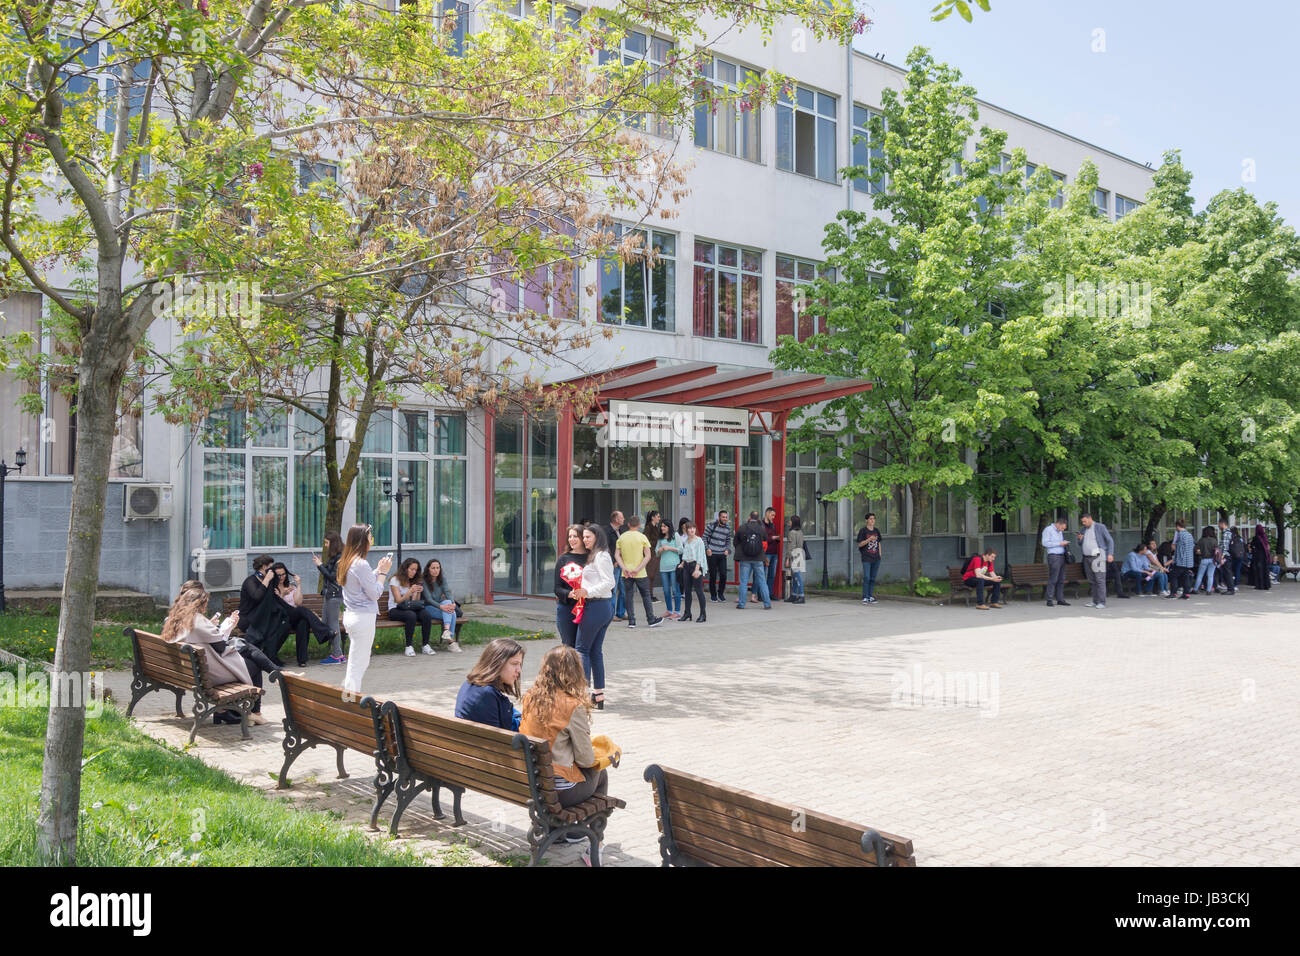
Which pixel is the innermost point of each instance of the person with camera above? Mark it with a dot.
(362, 586)
(301, 621)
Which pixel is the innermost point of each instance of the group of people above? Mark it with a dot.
(1177, 569)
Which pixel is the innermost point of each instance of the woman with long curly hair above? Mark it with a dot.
(230, 661)
(556, 709)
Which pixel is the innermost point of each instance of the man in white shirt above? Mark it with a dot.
(1053, 539)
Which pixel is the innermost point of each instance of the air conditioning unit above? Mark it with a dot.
(146, 501)
(220, 570)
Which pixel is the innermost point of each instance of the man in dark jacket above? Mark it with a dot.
(612, 531)
(262, 615)
(751, 544)
(773, 557)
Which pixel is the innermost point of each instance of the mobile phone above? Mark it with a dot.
(389, 557)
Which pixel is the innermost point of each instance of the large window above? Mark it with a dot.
(644, 48)
(1124, 206)
(639, 293)
(550, 289)
(1058, 201)
(868, 151)
(729, 124)
(50, 439)
(891, 510)
(945, 513)
(793, 316)
(262, 490)
(728, 292)
(720, 480)
(805, 133)
(1101, 201)
(803, 479)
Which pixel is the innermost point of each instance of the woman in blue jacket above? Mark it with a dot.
(482, 698)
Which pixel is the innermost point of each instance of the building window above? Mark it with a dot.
(730, 125)
(644, 48)
(1058, 201)
(455, 24)
(803, 479)
(944, 514)
(890, 511)
(793, 316)
(1124, 206)
(640, 293)
(550, 289)
(1101, 201)
(728, 292)
(50, 438)
(310, 173)
(868, 152)
(397, 446)
(805, 133)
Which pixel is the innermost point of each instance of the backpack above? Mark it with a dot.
(1237, 547)
(966, 566)
(752, 544)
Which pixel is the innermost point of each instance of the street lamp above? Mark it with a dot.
(20, 460)
(406, 489)
(826, 568)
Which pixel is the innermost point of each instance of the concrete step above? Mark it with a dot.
(107, 601)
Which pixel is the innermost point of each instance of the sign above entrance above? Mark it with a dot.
(649, 423)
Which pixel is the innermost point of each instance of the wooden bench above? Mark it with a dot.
(704, 823)
(316, 604)
(163, 665)
(316, 713)
(1075, 577)
(959, 589)
(428, 752)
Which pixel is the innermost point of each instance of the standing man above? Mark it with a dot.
(1053, 540)
(717, 550)
(1227, 541)
(633, 556)
(262, 616)
(1184, 559)
(1098, 551)
(750, 542)
(612, 531)
(870, 550)
(772, 558)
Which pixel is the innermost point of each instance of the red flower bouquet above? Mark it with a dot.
(571, 574)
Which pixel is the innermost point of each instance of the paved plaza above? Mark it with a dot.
(1153, 732)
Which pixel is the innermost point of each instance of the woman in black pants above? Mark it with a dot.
(406, 605)
(575, 553)
(693, 566)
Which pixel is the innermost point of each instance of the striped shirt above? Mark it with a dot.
(717, 538)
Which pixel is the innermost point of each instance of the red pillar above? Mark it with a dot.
(736, 521)
(701, 481)
(564, 475)
(489, 484)
(778, 491)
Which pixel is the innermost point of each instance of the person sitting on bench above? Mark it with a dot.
(979, 572)
(264, 619)
(302, 621)
(557, 708)
(482, 697)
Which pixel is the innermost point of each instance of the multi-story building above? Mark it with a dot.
(489, 493)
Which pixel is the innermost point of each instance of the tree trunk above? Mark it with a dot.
(1157, 513)
(1279, 521)
(102, 366)
(1040, 524)
(920, 499)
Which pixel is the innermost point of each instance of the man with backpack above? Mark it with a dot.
(1233, 551)
(751, 545)
(977, 573)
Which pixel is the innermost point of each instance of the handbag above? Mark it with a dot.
(608, 753)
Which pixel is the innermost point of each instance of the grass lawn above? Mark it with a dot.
(146, 804)
(31, 635)
(895, 588)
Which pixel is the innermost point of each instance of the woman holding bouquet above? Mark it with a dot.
(568, 575)
(595, 591)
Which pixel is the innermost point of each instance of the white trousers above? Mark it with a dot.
(361, 640)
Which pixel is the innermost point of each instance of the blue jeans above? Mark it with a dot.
(591, 639)
(796, 584)
(1236, 571)
(1205, 571)
(754, 568)
(773, 562)
(672, 590)
(620, 602)
(869, 571)
(564, 625)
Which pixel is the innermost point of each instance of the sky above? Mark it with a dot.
(1216, 80)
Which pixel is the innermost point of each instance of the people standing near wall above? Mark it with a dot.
(652, 531)
(870, 551)
(694, 563)
(751, 542)
(669, 557)
(362, 586)
(1206, 551)
(632, 555)
(717, 550)
(1053, 542)
(795, 559)
(331, 595)
(1098, 549)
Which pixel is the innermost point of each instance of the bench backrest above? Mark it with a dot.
(313, 602)
(468, 754)
(327, 712)
(954, 578)
(1074, 572)
(1029, 573)
(168, 663)
(722, 826)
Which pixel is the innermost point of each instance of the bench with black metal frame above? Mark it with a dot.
(183, 668)
(705, 823)
(317, 713)
(957, 586)
(426, 751)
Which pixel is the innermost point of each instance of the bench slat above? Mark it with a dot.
(427, 737)
(693, 789)
(357, 732)
(470, 761)
(786, 845)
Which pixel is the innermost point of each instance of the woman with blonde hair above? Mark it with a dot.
(362, 586)
(482, 698)
(231, 660)
(556, 709)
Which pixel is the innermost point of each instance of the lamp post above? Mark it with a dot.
(20, 460)
(405, 489)
(826, 568)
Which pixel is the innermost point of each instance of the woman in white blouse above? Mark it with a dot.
(597, 587)
(230, 660)
(362, 586)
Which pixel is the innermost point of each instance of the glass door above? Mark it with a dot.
(508, 519)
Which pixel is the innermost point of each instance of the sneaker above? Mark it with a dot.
(631, 623)
(1050, 604)
(454, 647)
(1062, 603)
(1090, 604)
(410, 651)
(740, 607)
(995, 604)
(575, 838)
(656, 622)
(866, 600)
(331, 659)
(429, 650)
(871, 600)
(1101, 607)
